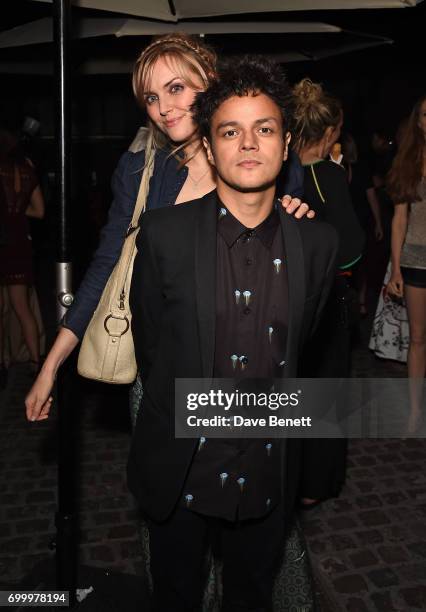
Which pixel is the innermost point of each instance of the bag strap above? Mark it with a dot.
(144, 185)
(317, 184)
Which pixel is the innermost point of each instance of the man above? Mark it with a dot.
(225, 286)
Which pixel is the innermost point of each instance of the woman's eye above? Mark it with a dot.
(174, 89)
(150, 99)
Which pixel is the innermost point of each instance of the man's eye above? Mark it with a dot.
(265, 130)
(230, 133)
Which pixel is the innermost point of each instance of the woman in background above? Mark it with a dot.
(318, 122)
(406, 185)
(20, 198)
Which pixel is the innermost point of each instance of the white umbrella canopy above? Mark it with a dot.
(174, 10)
(41, 31)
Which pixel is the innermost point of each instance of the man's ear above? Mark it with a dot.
(208, 149)
(287, 139)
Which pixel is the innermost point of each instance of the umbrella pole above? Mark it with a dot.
(66, 541)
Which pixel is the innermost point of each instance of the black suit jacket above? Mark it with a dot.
(173, 323)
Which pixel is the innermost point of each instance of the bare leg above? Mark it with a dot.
(19, 300)
(416, 307)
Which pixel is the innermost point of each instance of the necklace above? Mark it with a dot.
(198, 181)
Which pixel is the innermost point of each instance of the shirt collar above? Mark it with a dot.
(231, 229)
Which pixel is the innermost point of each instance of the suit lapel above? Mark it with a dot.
(295, 266)
(205, 279)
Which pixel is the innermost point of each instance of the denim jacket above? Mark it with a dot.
(166, 182)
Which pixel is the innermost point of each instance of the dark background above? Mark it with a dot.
(378, 87)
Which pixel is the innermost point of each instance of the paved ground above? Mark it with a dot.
(368, 547)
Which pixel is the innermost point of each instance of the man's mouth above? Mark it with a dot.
(249, 163)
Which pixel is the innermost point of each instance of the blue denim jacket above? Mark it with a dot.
(166, 182)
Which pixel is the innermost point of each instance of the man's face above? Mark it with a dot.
(247, 143)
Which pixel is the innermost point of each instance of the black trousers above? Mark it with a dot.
(251, 552)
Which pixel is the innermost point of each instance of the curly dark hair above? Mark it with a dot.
(248, 75)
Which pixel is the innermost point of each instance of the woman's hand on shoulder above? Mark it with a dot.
(297, 207)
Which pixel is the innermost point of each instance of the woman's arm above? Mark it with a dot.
(39, 400)
(36, 206)
(124, 186)
(395, 285)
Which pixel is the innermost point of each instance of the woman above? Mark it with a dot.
(407, 187)
(20, 198)
(318, 122)
(166, 78)
(183, 66)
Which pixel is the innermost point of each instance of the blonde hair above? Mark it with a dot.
(314, 111)
(192, 60)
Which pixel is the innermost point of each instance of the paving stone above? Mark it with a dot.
(102, 552)
(130, 549)
(343, 522)
(36, 497)
(415, 597)
(415, 572)
(353, 583)
(342, 542)
(392, 554)
(363, 558)
(383, 602)
(332, 565)
(382, 578)
(369, 501)
(122, 531)
(418, 549)
(34, 526)
(395, 497)
(15, 545)
(354, 604)
(371, 518)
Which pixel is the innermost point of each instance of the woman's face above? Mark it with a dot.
(422, 118)
(168, 101)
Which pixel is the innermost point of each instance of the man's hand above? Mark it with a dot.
(297, 207)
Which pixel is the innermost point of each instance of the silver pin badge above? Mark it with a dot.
(234, 359)
(243, 362)
(277, 264)
(268, 448)
(223, 478)
(188, 499)
(270, 332)
(237, 296)
(201, 443)
(222, 213)
(282, 363)
(268, 502)
(241, 482)
(247, 296)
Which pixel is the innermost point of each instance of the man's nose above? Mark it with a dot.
(248, 141)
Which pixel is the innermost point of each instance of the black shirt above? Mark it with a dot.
(240, 478)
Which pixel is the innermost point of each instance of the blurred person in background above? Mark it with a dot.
(318, 119)
(367, 209)
(20, 198)
(406, 185)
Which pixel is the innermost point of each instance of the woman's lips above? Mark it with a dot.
(172, 122)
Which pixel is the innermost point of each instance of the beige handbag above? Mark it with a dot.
(107, 353)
